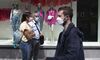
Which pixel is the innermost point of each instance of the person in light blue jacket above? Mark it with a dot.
(15, 19)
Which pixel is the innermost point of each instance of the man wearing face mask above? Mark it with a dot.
(37, 19)
(69, 46)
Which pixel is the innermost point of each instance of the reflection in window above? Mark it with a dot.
(87, 19)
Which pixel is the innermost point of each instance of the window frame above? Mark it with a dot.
(85, 44)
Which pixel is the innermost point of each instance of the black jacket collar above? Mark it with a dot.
(70, 26)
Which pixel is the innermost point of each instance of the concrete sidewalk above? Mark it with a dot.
(44, 59)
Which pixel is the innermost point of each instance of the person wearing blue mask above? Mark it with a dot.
(69, 46)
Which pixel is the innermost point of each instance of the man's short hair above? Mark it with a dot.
(66, 11)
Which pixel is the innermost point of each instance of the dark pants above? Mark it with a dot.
(30, 49)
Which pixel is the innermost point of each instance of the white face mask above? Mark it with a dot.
(30, 18)
(60, 20)
(36, 18)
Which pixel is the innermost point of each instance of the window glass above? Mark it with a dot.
(87, 18)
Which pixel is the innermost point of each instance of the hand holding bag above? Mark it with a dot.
(28, 34)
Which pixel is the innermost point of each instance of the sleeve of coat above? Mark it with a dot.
(71, 47)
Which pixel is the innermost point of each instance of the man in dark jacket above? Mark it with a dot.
(69, 45)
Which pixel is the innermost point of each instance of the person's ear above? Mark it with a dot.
(67, 17)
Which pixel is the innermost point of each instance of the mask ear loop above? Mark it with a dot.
(65, 20)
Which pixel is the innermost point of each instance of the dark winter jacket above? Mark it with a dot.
(70, 45)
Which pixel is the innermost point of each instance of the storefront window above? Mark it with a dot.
(87, 19)
(5, 30)
(87, 22)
